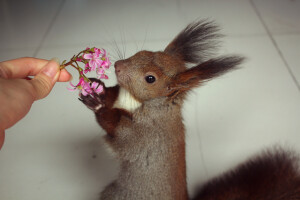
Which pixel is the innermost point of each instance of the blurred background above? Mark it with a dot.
(55, 152)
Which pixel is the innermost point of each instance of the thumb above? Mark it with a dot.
(44, 81)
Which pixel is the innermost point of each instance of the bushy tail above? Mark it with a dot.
(274, 175)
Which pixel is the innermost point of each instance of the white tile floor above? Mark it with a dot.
(55, 151)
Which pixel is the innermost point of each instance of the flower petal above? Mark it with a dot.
(103, 76)
(99, 62)
(105, 65)
(97, 52)
(71, 89)
(88, 56)
(83, 92)
(87, 87)
(93, 65)
(94, 85)
(73, 85)
(100, 71)
(99, 89)
(104, 52)
(81, 82)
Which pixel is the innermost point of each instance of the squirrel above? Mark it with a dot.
(143, 121)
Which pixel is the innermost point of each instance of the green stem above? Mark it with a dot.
(77, 67)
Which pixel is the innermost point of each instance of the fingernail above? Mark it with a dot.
(52, 68)
(56, 60)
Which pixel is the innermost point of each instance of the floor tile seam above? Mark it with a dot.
(60, 7)
(140, 41)
(286, 64)
(199, 137)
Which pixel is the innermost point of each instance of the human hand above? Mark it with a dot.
(17, 94)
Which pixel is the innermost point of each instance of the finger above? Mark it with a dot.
(2, 137)
(21, 67)
(64, 76)
(44, 81)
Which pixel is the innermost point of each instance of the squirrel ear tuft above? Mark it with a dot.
(195, 43)
(203, 72)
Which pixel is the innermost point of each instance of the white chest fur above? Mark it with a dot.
(126, 101)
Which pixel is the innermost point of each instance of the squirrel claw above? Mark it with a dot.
(92, 101)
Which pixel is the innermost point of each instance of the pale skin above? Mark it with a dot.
(17, 94)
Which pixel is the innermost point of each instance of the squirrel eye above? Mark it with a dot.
(150, 79)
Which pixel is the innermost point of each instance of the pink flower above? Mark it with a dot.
(79, 85)
(100, 71)
(105, 61)
(89, 88)
(102, 76)
(97, 88)
(87, 68)
(94, 59)
(86, 89)
(104, 64)
(97, 51)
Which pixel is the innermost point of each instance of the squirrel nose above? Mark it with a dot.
(118, 65)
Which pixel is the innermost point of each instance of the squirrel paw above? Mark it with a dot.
(92, 101)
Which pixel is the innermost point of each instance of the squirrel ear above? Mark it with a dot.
(195, 43)
(203, 72)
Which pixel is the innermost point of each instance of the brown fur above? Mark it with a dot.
(148, 136)
(274, 175)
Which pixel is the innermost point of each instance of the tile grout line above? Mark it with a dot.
(49, 28)
(275, 45)
(134, 41)
(200, 145)
(198, 133)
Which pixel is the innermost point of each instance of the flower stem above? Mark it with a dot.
(77, 67)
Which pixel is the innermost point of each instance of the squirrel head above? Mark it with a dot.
(147, 75)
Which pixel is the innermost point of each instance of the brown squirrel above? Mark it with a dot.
(143, 120)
